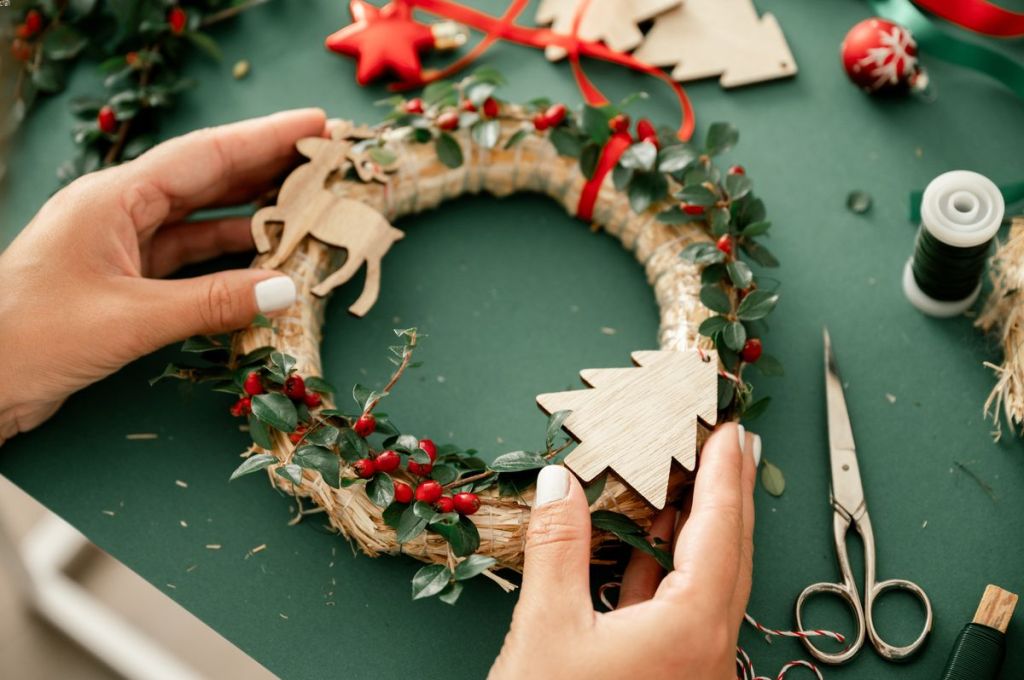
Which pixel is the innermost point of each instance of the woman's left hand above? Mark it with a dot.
(80, 291)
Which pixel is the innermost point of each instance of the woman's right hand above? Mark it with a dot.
(683, 625)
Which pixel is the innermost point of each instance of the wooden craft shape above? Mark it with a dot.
(613, 22)
(635, 421)
(306, 206)
(706, 38)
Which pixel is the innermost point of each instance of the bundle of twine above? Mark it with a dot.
(421, 182)
(1004, 314)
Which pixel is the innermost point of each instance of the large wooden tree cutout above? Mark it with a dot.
(635, 421)
(705, 38)
(612, 21)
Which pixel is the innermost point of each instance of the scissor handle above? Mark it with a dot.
(887, 651)
(848, 594)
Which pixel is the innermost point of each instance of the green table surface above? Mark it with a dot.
(514, 295)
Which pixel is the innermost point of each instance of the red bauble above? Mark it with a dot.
(383, 39)
(881, 57)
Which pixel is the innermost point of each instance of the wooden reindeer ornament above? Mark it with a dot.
(306, 206)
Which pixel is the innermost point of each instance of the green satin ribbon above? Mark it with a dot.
(1012, 193)
(939, 44)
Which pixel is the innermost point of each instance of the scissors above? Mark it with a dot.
(846, 496)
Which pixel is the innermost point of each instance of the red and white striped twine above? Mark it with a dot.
(746, 667)
(802, 634)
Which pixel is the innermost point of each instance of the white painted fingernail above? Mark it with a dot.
(552, 485)
(757, 450)
(743, 438)
(275, 294)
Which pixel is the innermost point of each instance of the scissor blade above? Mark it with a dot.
(847, 491)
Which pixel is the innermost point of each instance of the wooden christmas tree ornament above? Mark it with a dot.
(613, 22)
(635, 421)
(706, 38)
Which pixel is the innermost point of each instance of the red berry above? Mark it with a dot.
(21, 50)
(646, 132)
(751, 350)
(364, 467)
(21, 31)
(365, 425)
(466, 503)
(106, 119)
(312, 400)
(540, 122)
(253, 384)
(296, 436)
(429, 491)
(177, 18)
(491, 108)
(295, 387)
(449, 120)
(444, 504)
(555, 114)
(467, 105)
(419, 469)
(691, 209)
(403, 492)
(33, 23)
(132, 59)
(388, 461)
(724, 243)
(737, 170)
(414, 106)
(242, 407)
(430, 447)
(619, 123)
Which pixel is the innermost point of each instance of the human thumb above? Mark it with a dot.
(215, 303)
(556, 571)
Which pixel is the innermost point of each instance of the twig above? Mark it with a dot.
(989, 491)
(406, 357)
(217, 17)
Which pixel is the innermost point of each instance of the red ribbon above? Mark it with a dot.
(610, 154)
(978, 16)
(504, 28)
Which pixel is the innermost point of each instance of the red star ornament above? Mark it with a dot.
(381, 40)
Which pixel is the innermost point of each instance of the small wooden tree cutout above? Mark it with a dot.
(612, 21)
(706, 38)
(636, 420)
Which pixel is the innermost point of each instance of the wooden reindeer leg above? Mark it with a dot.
(259, 226)
(343, 274)
(371, 289)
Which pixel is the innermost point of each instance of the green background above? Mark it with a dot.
(514, 295)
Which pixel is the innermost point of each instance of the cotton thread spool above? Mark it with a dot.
(960, 214)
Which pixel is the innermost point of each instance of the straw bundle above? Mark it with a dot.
(420, 182)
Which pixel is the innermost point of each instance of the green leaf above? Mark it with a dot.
(676, 216)
(486, 133)
(352, 446)
(85, 107)
(170, 372)
(594, 490)
(661, 556)
(639, 156)
(755, 229)
(734, 335)
(712, 325)
(739, 274)
(589, 158)
(460, 532)
(697, 194)
(198, 344)
(259, 432)
(702, 253)
(646, 188)
(444, 474)
(721, 137)
(325, 435)
(275, 410)
(448, 150)
(758, 253)
(474, 565)
(769, 366)
(737, 186)
(712, 273)
(566, 142)
(430, 580)
(478, 92)
(252, 464)
(319, 385)
(726, 392)
(772, 479)
(718, 219)
(676, 157)
(629, 532)
(517, 461)
(516, 137)
(321, 460)
(595, 123)
(756, 409)
(621, 177)
(291, 472)
(381, 490)
(757, 305)
(440, 92)
(79, 9)
(410, 525)
(450, 595)
(285, 363)
(393, 514)
(63, 42)
(715, 299)
(554, 429)
(48, 77)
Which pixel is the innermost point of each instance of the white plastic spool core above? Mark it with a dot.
(961, 209)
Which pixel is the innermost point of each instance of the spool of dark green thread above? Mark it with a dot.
(979, 649)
